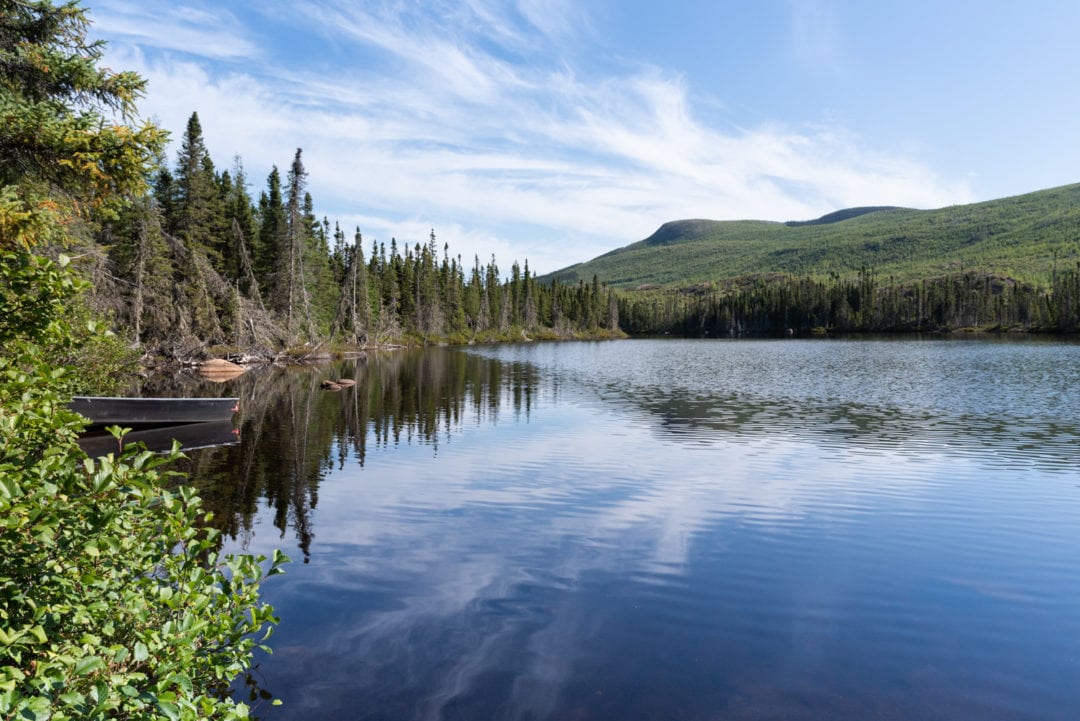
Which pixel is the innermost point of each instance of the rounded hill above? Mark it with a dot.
(1025, 237)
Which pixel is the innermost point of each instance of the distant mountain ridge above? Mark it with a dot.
(680, 230)
(1025, 237)
(846, 214)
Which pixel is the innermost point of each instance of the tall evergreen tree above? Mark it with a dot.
(273, 232)
(428, 298)
(494, 296)
(295, 298)
(353, 319)
(472, 300)
(322, 288)
(517, 296)
(530, 302)
(164, 191)
(339, 255)
(140, 256)
(198, 209)
(455, 298)
(69, 143)
(222, 230)
(556, 306)
(242, 231)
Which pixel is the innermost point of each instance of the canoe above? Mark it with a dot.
(190, 436)
(103, 411)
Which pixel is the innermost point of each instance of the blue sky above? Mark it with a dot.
(557, 130)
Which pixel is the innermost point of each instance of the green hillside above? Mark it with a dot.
(1017, 237)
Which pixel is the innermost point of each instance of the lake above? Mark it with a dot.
(667, 529)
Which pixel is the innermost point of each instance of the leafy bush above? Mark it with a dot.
(114, 602)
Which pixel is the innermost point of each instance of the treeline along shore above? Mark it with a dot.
(196, 265)
(802, 306)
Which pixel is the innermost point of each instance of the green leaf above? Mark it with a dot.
(38, 708)
(88, 664)
(8, 488)
(171, 710)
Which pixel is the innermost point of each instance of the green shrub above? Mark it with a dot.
(114, 601)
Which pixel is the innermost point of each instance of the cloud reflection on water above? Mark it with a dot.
(464, 535)
(494, 578)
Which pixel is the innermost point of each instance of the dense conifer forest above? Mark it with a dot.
(1003, 265)
(198, 264)
(790, 305)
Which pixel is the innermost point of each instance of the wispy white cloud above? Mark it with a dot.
(203, 31)
(814, 36)
(464, 118)
(558, 20)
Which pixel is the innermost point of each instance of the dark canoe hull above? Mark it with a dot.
(104, 411)
(190, 436)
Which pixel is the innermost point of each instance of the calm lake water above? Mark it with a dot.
(668, 529)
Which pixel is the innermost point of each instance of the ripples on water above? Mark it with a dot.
(685, 530)
(1008, 398)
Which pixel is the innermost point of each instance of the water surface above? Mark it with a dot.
(668, 530)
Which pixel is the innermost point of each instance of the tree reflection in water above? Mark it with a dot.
(292, 431)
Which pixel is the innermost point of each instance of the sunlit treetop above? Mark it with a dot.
(70, 139)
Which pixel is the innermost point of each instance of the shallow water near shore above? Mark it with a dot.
(671, 529)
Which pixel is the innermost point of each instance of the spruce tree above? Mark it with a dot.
(295, 297)
(140, 256)
(529, 312)
(473, 291)
(353, 319)
(455, 297)
(242, 231)
(164, 191)
(69, 142)
(197, 215)
(272, 239)
(428, 298)
(494, 295)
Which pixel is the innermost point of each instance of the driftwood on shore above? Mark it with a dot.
(337, 385)
(220, 370)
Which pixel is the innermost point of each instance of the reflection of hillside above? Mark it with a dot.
(292, 431)
(996, 398)
(685, 416)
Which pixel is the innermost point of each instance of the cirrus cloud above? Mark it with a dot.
(469, 118)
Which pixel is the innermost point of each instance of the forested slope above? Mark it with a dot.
(1023, 238)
